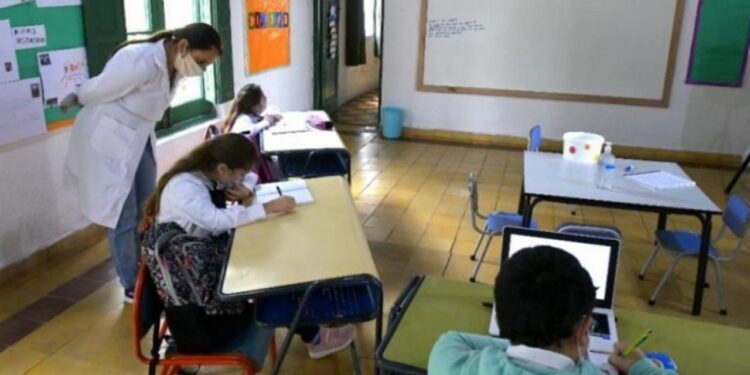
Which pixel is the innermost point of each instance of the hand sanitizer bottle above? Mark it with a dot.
(606, 174)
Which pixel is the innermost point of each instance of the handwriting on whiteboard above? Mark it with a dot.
(451, 27)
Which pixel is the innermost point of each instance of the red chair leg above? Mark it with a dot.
(274, 355)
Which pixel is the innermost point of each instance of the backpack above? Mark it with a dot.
(186, 270)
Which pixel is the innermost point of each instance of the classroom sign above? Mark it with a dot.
(267, 34)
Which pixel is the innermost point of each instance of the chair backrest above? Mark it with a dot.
(590, 230)
(535, 138)
(211, 132)
(737, 215)
(147, 309)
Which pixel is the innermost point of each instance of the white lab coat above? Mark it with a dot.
(120, 109)
(186, 201)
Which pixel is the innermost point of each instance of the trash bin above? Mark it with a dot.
(393, 118)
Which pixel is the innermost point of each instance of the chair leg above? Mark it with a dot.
(648, 262)
(476, 247)
(355, 358)
(573, 210)
(474, 273)
(720, 286)
(652, 300)
(272, 350)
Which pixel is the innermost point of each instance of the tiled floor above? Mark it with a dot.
(412, 198)
(358, 114)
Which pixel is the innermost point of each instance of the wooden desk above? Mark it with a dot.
(319, 241)
(430, 306)
(548, 177)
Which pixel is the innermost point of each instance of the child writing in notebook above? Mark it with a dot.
(545, 299)
(246, 116)
(186, 196)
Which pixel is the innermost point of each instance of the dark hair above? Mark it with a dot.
(541, 293)
(199, 35)
(248, 97)
(234, 150)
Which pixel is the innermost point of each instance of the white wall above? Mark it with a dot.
(356, 80)
(698, 118)
(36, 211)
(289, 87)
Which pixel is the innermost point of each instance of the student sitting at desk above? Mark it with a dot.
(187, 196)
(246, 117)
(545, 299)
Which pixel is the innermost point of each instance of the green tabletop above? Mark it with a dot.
(441, 305)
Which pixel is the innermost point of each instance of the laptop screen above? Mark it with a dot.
(597, 255)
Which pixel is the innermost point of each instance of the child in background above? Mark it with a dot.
(186, 195)
(246, 117)
(545, 299)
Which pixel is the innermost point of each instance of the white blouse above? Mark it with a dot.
(246, 124)
(186, 200)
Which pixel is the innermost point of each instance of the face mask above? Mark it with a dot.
(187, 66)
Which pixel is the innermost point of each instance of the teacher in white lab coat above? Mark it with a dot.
(110, 163)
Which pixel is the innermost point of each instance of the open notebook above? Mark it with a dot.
(296, 189)
(660, 180)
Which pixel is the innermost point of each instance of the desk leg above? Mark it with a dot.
(737, 175)
(293, 327)
(700, 278)
(662, 224)
(520, 200)
(528, 209)
(378, 330)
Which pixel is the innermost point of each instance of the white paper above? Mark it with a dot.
(601, 360)
(10, 3)
(8, 62)
(27, 37)
(56, 3)
(660, 180)
(296, 189)
(62, 71)
(21, 106)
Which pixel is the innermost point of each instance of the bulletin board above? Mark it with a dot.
(614, 51)
(720, 43)
(64, 30)
(267, 34)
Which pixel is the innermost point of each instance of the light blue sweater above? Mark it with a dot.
(464, 354)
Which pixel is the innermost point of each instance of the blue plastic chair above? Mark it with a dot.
(495, 223)
(535, 138)
(604, 231)
(680, 244)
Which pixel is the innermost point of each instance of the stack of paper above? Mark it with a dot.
(660, 180)
(296, 189)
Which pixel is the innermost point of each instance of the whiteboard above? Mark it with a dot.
(615, 51)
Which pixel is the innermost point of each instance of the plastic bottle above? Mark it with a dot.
(607, 167)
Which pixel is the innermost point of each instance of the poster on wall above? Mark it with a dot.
(267, 34)
(21, 106)
(30, 36)
(62, 71)
(8, 62)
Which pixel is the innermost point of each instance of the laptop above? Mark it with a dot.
(597, 255)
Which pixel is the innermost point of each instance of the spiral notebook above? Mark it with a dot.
(660, 180)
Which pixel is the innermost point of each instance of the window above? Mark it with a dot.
(369, 6)
(194, 96)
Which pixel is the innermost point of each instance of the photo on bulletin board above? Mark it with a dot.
(267, 34)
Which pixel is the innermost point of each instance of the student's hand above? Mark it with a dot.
(281, 205)
(623, 364)
(240, 193)
(273, 119)
(69, 101)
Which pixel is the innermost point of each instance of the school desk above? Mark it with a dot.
(548, 177)
(430, 306)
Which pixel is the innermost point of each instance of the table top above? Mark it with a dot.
(319, 241)
(441, 305)
(273, 141)
(549, 175)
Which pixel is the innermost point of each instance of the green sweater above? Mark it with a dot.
(464, 354)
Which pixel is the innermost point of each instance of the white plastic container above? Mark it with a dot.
(582, 147)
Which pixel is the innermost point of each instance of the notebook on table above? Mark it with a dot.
(599, 256)
(296, 189)
(660, 180)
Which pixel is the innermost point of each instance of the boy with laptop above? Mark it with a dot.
(545, 300)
